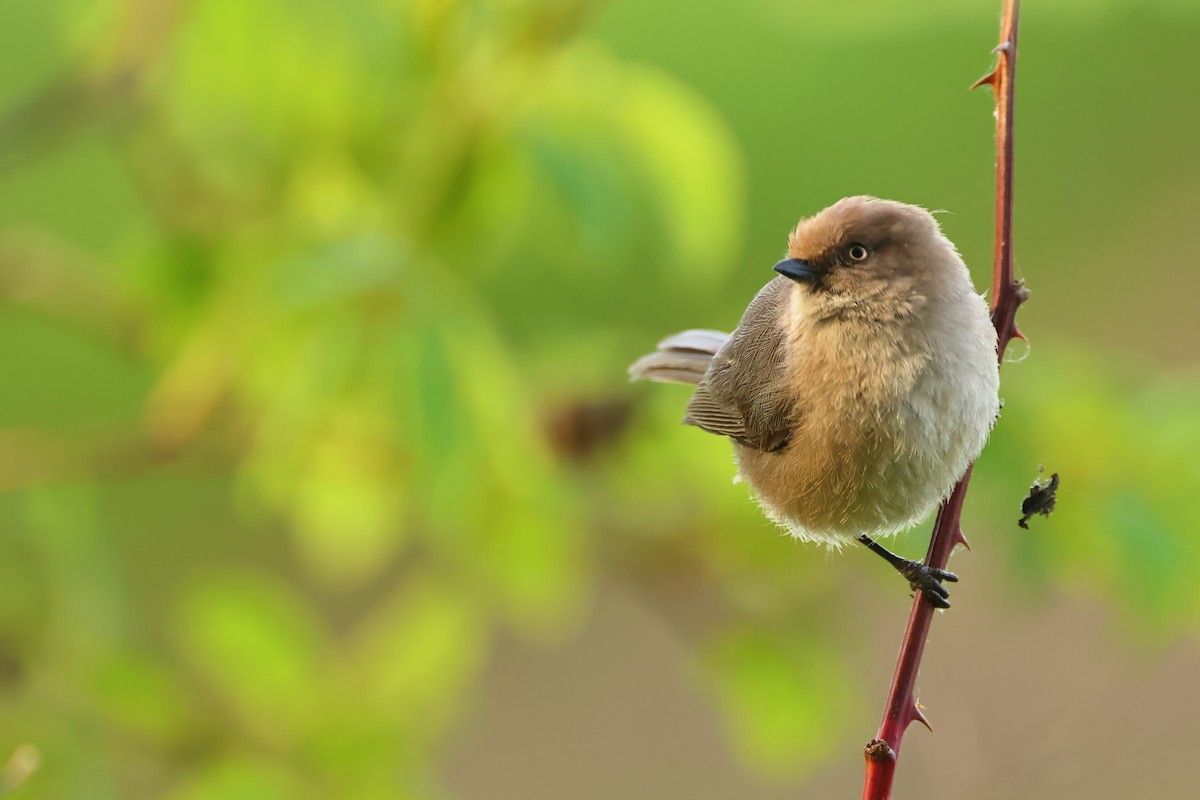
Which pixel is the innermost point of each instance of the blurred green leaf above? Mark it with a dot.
(787, 696)
(242, 780)
(143, 696)
(257, 646)
(416, 654)
(673, 131)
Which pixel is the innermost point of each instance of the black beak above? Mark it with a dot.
(798, 270)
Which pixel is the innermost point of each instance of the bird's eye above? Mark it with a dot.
(857, 252)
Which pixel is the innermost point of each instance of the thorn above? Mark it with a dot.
(989, 79)
(1004, 47)
(918, 716)
(960, 538)
(1016, 332)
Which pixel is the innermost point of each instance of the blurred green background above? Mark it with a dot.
(320, 473)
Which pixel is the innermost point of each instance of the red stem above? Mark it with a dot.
(1007, 295)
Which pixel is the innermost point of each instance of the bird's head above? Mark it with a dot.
(871, 257)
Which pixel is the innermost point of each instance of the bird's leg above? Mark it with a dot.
(926, 579)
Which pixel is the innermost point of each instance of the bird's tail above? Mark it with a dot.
(682, 358)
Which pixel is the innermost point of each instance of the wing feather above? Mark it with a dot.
(742, 395)
(681, 358)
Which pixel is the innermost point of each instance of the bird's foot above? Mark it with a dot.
(921, 577)
(928, 580)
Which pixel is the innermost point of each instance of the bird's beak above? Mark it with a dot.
(798, 270)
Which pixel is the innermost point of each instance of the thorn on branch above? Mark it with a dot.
(961, 538)
(919, 716)
(986, 80)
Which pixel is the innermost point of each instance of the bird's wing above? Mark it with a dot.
(742, 395)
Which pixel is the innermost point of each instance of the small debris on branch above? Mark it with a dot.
(879, 750)
(1043, 494)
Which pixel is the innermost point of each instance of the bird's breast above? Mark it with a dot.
(881, 430)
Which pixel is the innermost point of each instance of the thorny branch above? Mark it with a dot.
(1007, 295)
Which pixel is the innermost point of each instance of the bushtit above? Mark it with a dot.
(858, 385)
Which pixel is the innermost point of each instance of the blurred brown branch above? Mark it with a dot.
(86, 93)
(901, 708)
(49, 277)
(31, 458)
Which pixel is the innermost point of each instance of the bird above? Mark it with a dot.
(859, 385)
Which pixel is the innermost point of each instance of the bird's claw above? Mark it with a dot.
(928, 580)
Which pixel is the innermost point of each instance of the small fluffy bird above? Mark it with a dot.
(859, 384)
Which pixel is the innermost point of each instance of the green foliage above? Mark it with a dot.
(1126, 445)
(299, 288)
(767, 683)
